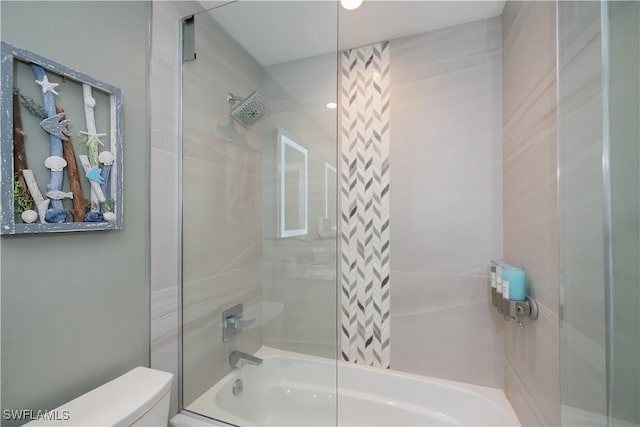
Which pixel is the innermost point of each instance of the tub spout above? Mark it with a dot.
(238, 358)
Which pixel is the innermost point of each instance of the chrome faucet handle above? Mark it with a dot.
(237, 322)
(233, 322)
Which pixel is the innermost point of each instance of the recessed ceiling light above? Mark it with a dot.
(332, 105)
(351, 4)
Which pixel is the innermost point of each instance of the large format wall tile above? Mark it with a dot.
(446, 202)
(205, 355)
(164, 84)
(222, 205)
(302, 300)
(216, 275)
(165, 259)
(299, 272)
(165, 336)
(230, 205)
(440, 322)
(530, 208)
(532, 369)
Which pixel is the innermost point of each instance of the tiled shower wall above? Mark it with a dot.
(438, 185)
(165, 198)
(165, 252)
(221, 205)
(530, 209)
(224, 241)
(446, 202)
(438, 279)
(299, 273)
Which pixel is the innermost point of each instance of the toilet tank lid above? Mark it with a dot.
(119, 402)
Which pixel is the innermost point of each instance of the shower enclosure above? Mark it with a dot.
(599, 186)
(264, 198)
(259, 202)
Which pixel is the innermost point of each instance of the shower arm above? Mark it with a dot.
(232, 99)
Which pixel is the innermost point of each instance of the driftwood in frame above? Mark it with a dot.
(60, 81)
(80, 203)
(41, 203)
(19, 153)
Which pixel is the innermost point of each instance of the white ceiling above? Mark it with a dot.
(282, 31)
(296, 40)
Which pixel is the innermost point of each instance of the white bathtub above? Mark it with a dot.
(290, 389)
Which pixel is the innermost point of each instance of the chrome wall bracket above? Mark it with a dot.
(519, 310)
(189, 39)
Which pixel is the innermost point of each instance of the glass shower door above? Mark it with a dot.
(599, 206)
(624, 174)
(259, 213)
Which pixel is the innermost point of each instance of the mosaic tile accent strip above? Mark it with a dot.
(364, 228)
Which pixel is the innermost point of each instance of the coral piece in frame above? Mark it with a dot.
(65, 172)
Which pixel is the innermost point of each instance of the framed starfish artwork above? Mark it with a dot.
(61, 155)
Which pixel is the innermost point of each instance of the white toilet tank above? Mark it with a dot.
(138, 398)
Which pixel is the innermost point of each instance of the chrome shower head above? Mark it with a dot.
(250, 111)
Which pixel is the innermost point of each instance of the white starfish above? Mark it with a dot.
(47, 86)
(94, 137)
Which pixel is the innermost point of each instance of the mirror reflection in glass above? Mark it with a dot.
(293, 187)
(327, 225)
